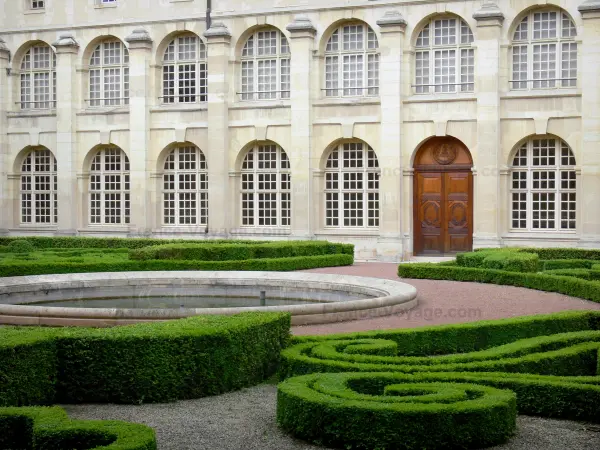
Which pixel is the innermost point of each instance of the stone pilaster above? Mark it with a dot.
(392, 26)
(589, 158)
(5, 203)
(67, 49)
(487, 216)
(140, 53)
(220, 211)
(302, 42)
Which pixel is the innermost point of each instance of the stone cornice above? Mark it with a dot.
(489, 11)
(301, 23)
(217, 29)
(66, 40)
(589, 6)
(392, 18)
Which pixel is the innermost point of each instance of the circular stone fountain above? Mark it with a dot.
(107, 299)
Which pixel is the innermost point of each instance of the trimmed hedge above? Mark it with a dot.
(584, 274)
(563, 253)
(239, 252)
(150, 362)
(20, 246)
(567, 285)
(554, 264)
(46, 242)
(280, 264)
(501, 259)
(39, 428)
(365, 390)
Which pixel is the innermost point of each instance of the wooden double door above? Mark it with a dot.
(443, 200)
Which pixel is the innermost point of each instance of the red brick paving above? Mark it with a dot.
(442, 302)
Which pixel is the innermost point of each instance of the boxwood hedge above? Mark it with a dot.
(150, 362)
(239, 252)
(440, 387)
(40, 428)
(567, 285)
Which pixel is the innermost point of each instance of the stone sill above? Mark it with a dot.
(258, 104)
(31, 113)
(347, 101)
(190, 107)
(260, 232)
(348, 233)
(103, 111)
(540, 93)
(431, 98)
(542, 236)
(33, 228)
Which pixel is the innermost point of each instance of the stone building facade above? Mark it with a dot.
(404, 127)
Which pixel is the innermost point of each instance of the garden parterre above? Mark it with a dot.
(454, 386)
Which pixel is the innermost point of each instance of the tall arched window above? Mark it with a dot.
(185, 187)
(109, 187)
(38, 188)
(109, 74)
(38, 78)
(544, 52)
(265, 66)
(544, 186)
(185, 70)
(352, 62)
(444, 59)
(266, 187)
(352, 186)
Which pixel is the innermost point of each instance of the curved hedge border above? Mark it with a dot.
(550, 362)
(50, 429)
(150, 362)
(278, 264)
(567, 285)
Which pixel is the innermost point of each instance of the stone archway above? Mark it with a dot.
(443, 198)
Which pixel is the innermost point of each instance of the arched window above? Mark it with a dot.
(352, 186)
(109, 74)
(38, 188)
(352, 62)
(543, 186)
(109, 187)
(266, 66)
(38, 78)
(266, 187)
(444, 59)
(544, 52)
(185, 70)
(185, 187)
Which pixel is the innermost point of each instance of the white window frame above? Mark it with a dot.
(179, 83)
(524, 43)
(109, 175)
(185, 188)
(351, 177)
(432, 50)
(546, 168)
(38, 188)
(253, 67)
(101, 68)
(351, 64)
(37, 82)
(266, 180)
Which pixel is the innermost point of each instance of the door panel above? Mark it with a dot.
(429, 220)
(443, 212)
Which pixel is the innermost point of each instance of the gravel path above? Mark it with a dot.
(442, 302)
(245, 420)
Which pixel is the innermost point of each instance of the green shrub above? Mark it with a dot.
(512, 261)
(554, 264)
(584, 274)
(20, 246)
(588, 290)
(366, 390)
(150, 362)
(239, 252)
(564, 253)
(281, 264)
(50, 429)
